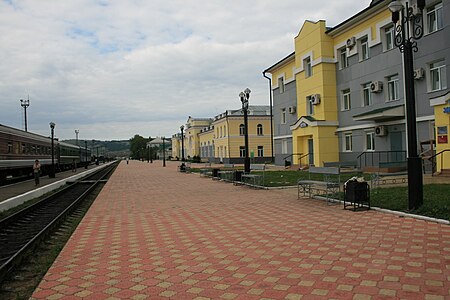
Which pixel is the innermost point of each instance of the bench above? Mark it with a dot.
(379, 178)
(185, 167)
(342, 164)
(331, 183)
(255, 179)
(206, 170)
(226, 172)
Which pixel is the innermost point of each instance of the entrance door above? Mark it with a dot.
(396, 139)
(311, 151)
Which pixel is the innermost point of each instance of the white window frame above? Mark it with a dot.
(259, 129)
(369, 136)
(393, 88)
(436, 12)
(281, 85)
(241, 151)
(389, 36)
(438, 69)
(364, 48)
(346, 103)
(283, 116)
(366, 95)
(343, 58)
(241, 129)
(307, 66)
(348, 142)
(260, 151)
(284, 147)
(309, 106)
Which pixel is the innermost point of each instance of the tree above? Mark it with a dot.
(138, 147)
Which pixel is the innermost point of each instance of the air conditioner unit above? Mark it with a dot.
(292, 109)
(315, 99)
(419, 73)
(380, 131)
(376, 86)
(351, 42)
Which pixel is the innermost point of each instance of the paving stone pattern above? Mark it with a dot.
(154, 233)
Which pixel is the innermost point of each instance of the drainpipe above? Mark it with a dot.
(271, 114)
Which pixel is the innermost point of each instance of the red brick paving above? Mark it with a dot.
(154, 233)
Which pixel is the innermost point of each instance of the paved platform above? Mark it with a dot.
(154, 233)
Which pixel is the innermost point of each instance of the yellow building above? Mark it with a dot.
(191, 135)
(176, 146)
(442, 124)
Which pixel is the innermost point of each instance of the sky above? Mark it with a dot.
(115, 68)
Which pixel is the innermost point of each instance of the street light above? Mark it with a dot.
(244, 96)
(408, 29)
(25, 104)
(85, 154)
(182, 142)
(52, 171)
(76, 139)
(164, 151)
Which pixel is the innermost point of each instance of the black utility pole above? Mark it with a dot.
(164, 151)
(25, 104)
(409, 29)
(86, 154)
(52, 128)
(245, 96)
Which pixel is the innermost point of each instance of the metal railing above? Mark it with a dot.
(373, 158)
(434, 160)
(286, 163)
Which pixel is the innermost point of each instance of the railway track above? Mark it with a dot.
(22, 231)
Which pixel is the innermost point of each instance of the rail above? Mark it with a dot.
(23, 230)
(373, 158)
(300, 159)
(288, 163)
(433, 160)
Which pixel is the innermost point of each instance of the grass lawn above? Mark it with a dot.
(436, 202)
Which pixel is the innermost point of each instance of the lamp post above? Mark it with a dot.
(86, 155)
(408, 29)
(25, 104)
(164, 151)
(76, 139)
(244, 96)
(182, 143)
(52, 171)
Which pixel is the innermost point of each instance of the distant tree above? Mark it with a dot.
(138, 147)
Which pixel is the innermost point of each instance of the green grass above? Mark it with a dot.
(290, 178)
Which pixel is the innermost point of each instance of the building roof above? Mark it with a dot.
(382, 114)
(280, 63)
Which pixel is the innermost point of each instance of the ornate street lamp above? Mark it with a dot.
(245, 96)
(52, 171)
(25, 104)
(408, 29)
(164, 151)
(182, 142)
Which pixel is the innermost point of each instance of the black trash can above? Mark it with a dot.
(357, 194)
(215, 172)
(238, 176)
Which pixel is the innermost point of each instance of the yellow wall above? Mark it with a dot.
(285, 70)
(176, 146)
(191, 139)
(442, 119)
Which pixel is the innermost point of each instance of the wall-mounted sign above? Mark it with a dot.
(442, 139)
(303, 125)
(447, 110)
(442, 130)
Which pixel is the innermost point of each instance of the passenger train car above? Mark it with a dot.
(19, 149)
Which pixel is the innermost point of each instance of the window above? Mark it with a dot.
(343, 60)
(348, 146)
(283, 116)
(309, 106)
(364, 48)
(345, 100)
(220, 132)
(9, 147)
(24, 149)
(389, 35)
(242, 151)
(392, 88)
(307, 66)
(241, 129)
(281, 84)
(260, 151)
(370, 141)
(434, 18)
(259, 129)
(284, 146)
(367, 95)
(438, 76)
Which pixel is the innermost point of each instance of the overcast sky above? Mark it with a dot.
(113, 69)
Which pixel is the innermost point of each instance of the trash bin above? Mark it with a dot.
(215, 172)
(357, 194)
(238, 175)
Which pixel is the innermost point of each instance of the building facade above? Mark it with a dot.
(349, 87)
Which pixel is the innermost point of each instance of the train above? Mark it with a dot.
(19, 149)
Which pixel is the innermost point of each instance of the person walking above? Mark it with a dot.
(36, 171)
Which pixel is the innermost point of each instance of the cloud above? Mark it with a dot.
(116, 68)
